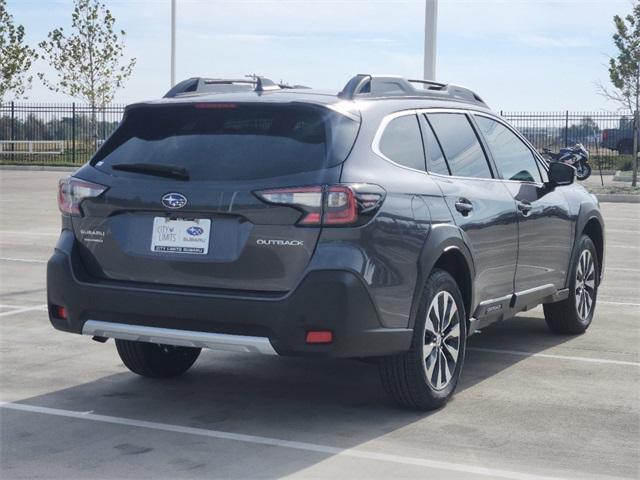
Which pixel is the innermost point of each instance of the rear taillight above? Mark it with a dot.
(306, 199)
(340, 206)
(329, 205)
(71, 191)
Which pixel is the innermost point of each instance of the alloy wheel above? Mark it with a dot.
(441, 340)
(585, 285)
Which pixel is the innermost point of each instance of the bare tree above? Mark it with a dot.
(88, 63)
(15, 56)
(624, 73)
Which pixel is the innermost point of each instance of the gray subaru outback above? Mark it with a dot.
(390, 220)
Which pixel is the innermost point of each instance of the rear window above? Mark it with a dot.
(460, 144)
(223, 142)
(402, 142)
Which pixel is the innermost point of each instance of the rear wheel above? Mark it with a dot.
(574, 315)
(426, 376)
(154, 360)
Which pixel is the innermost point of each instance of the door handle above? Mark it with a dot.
(524, 206)
(464, 206)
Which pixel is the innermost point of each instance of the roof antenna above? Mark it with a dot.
(265, 85)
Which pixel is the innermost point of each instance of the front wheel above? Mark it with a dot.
(583, 170)
(154, 360)
(574, 314)
(426, 376)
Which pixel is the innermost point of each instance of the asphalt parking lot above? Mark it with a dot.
(530, 404)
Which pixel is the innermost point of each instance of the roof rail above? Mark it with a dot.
(197, 85)
(373, 86)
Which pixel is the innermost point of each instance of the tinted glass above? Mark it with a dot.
(230, 141)
(435, 158)
(512, 157)
(460, 144)
(401, 142)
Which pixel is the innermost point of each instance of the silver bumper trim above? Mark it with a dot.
(183, 338)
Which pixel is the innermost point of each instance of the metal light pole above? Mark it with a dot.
(430, 34)
(173, 42)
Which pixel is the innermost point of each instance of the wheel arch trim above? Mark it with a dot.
(443, 239)
(587, 215)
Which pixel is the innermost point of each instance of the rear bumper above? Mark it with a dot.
(332, 300)
(184, 338)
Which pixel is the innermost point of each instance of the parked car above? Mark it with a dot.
(620, 139)
(391, 221)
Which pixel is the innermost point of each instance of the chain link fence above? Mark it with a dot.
(61, 134)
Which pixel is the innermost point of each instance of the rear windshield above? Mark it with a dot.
(230, 141)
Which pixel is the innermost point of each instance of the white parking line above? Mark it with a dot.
(29, 234)
(25, 260)
(615, 269)
(628, 304)
(628, 230)
(22, 309)
(259, 440)
(621, 245)
(556, 357)
(4, 305)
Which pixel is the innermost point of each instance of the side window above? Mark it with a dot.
(401, 142)
(513, 158)
(435, 158)
(460, 144)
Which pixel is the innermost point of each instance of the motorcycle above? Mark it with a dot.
(576, 156)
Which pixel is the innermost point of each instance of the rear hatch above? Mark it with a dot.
(181, 208)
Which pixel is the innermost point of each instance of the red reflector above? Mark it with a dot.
(319, 336)
(61, 312)
(219, 106)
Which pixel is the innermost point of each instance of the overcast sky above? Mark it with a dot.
(517, 54)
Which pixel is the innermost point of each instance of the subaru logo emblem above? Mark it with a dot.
(174, 200)
(195, 231)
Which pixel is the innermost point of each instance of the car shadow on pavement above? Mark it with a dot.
(330, 402)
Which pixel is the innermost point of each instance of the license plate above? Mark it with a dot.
(181, 235)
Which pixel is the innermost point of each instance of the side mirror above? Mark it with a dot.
(561, 174)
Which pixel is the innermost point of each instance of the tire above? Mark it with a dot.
(156, 361)
(574, 314)
(406, 376)
(583, 171)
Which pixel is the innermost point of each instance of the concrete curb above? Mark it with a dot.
(623, 176)
(40, 168)
(617, 198)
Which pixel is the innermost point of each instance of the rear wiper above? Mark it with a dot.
(170, 171)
